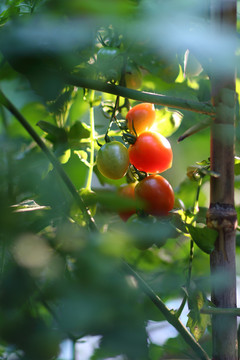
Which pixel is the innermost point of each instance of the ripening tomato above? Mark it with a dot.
(141, 117)
(157, 194)
(113, 160)
(127, 191)
(151, 153)
(133, 77)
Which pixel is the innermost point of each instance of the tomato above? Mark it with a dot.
(110, 62)
(113, 160)
(133, 77)
(157, 194)
(151, 152)
(142, 117)
(127, 191)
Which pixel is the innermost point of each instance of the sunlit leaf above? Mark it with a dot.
(167, 122)
(197, 322)
(204, 237)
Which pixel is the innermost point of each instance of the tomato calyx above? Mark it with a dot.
(107, 138)
(129, 138)
(138, 175)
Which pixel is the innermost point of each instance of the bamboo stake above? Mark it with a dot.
(221, 214)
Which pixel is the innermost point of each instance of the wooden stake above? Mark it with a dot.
(221, 214)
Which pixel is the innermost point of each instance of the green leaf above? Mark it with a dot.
(204, 237)
(29, 205)
(237, 165)
(155, 352)
(77, 132)
(113, 201)
(148, 231)
(76, 170)
(167, 122)
(55, 133)
(197, 322)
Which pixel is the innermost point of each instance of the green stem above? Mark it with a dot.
(195, 211)
(113, 113)
(56, 164)
(170, 317)
(172, 102)
(92, 141)
(74, 349)
(221, 311)
(191, 254)
(195, 207)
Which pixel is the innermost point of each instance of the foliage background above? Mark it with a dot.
(58, 280)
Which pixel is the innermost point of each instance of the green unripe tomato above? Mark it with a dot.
(113, 160)
(110, 63)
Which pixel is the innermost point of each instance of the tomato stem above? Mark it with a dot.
(113, 117)
(92, 141)
(191, 253)
(129, 138)
(158, 99)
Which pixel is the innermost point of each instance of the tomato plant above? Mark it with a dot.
(63, 245)
(128, 191)
(157, 194)
(151, 153)
(113, 160)
(141, 118)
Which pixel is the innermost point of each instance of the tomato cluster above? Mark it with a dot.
(149, 153)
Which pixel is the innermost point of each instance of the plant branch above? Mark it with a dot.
(170, 317)
(92, 140)
(56, 164)
(158, 99)
(221, 215)
(195, 129)
(221, 311)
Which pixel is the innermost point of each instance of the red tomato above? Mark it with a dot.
(157, 194)
(127, 191)
(151, 153)
(142, 116)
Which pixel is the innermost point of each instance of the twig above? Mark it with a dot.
(221, 311)
(195, 129)
(170, 317)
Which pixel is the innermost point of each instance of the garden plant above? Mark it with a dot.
(119, 169)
